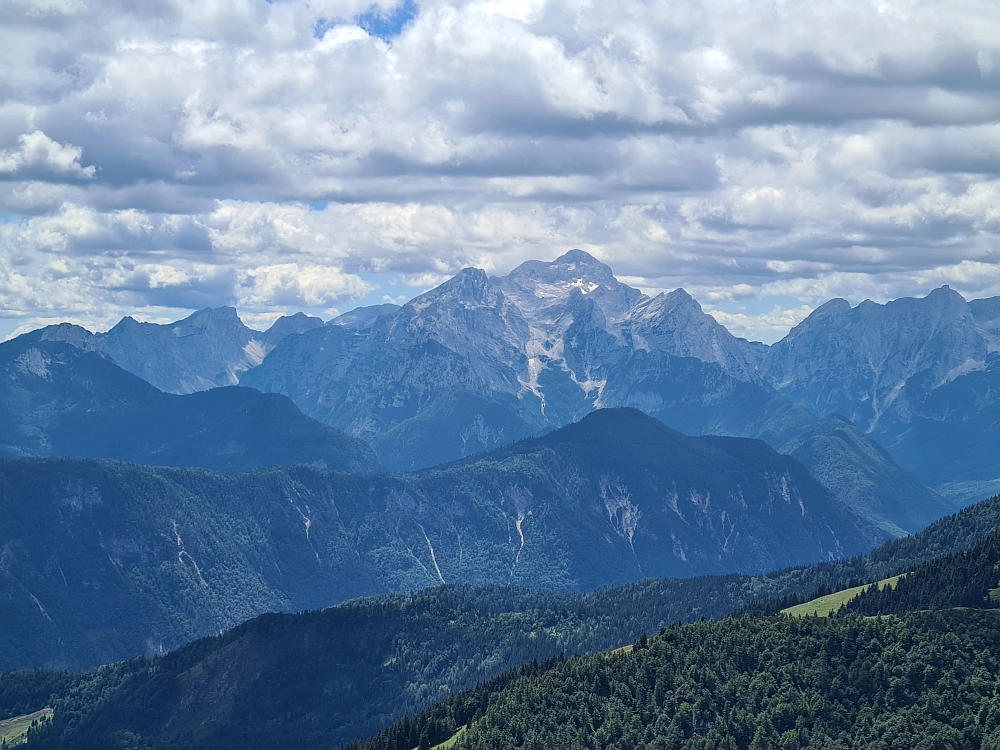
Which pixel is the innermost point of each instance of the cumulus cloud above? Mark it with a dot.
(39, 153)
(768, 326)
(310, 154)
(292, 285)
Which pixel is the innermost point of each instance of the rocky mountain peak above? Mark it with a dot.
(857, 360)
(127, 322)
(675, 323)
(537, 285)
(220, 319)
(204, 350)
(363, 317)
(578, 256)
(286, 325)
(572, 266)
(296, 321)
(469, 315)
(73, 335)
(470, 285)
(289, 324)
(681, 296)
(945, 292)
(667, 303)
(835, 306)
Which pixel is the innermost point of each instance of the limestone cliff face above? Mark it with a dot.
(920, 376)
(208, 349)
(857, 361)
(482, 360)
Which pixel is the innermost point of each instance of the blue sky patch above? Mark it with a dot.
(385, 25)
(389, 25)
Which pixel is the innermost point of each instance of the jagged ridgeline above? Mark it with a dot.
(481, 361)
(318, 679)
(105, 560)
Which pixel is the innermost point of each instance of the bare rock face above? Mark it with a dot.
(675, 323)
(987, 315)
(857, 361)
(364, 317)
(208, 349)
(288, 325)
(482, 360)
(920, 376)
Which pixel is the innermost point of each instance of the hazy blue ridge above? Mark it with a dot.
(105, 560)
(57, 398)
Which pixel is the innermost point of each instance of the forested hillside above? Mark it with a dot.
(970, 578)
(324, 677)
(104, 560)
(914, 681)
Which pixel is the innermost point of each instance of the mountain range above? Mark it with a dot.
(483, 360)
(603, 461)
(480, 361)
(208, 349)
(917, 375)
(877, 401)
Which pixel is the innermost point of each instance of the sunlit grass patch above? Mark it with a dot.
(827, 605)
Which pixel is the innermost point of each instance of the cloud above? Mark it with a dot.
(768, 326)
(176, 153)
(291, 285)
(38, 153)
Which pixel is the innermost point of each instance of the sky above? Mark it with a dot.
(170, 155)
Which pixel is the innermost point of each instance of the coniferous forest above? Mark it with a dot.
(921, 680)
(500, 375)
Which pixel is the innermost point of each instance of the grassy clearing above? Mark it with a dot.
(450, 742)
(825, 606)
(15, 731)
(622, 649)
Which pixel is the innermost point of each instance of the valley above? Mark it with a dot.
(499, 375)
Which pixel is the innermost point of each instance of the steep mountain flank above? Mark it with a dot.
(104, 560)
(855, 361)
(58, 399)
(208, 349)
(918, 375)
(480, 362)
